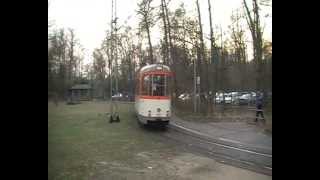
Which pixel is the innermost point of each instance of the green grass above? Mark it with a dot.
(268, 125)
(80, 136)
(228, 114)
(219, 114)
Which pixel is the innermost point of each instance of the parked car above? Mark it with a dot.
(184, 96)
(235, 97)
(244, 99)
(219, 98)
(228, 99)
(253, 97)
(117, 97)
(248, 98)
(127, 96)
(181, 95)
(223, 97)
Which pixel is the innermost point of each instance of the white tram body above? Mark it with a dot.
(152, 95)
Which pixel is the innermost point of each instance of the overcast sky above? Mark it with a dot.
(90, 18)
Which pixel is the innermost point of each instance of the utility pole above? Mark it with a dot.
(116, 45)
(114, 116)
(110, 64)
(222, 72)
(194, 87)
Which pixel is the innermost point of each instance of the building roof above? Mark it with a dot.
(81, 86)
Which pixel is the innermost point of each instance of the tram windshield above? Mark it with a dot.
(155, 85)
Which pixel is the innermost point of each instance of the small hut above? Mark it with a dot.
(80, 92)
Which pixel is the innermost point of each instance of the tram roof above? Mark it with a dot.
(153, 67)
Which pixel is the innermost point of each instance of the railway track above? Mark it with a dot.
(255, 159)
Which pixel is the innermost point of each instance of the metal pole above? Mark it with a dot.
(194, 87)
(115, 42)
(199, 92)
(116, 59)
(111, 58)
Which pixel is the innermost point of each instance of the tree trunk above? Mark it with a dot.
(211, 58)
(149, 41)
(71, 58)
(204, 84)
(166, 49)
(172, 53)
(255, 29)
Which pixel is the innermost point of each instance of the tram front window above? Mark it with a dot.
(155, 85)
(158, 85)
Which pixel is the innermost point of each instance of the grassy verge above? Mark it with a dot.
(82, 144)
(226, 113)
(220, 113)
(80, 139)
(268, 115)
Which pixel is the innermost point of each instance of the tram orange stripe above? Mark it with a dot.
(154, 97)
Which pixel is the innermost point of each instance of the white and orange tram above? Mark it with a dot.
(152, 95)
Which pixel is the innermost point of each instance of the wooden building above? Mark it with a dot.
(80, 92)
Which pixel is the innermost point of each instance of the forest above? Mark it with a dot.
(220, 58)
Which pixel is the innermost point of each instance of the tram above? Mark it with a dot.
(152, 95)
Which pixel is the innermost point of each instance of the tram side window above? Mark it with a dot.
(168, 85)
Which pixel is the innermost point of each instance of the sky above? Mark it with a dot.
(91, 18)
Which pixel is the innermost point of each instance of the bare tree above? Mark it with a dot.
(71, 63)
(172, 56)
(99, 66)
(166, 44)
(212, 44)
(145, 10)
(239, 45)
(204, 85)
(253, 21)
(63, 60)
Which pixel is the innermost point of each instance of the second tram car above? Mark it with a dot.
(152, 94)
